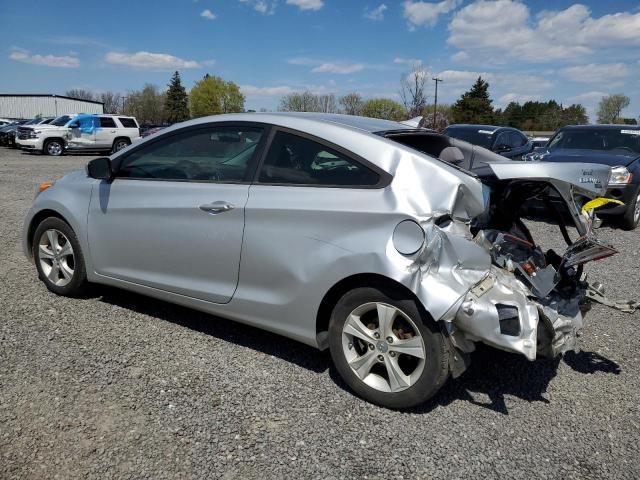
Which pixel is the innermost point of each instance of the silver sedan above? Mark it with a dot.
(397, 248)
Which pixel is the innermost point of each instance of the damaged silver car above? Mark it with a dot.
(397, 248)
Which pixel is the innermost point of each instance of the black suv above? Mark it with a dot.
(615, 145)
(507, 141)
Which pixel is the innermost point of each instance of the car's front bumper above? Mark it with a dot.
(30, 143)
(624, 193)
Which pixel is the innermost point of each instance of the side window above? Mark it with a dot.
(503, 139)
(128, 122)
(107, 122)
(214, 154)
(518, 140)
(300, 161)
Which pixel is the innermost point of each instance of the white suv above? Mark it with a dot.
(79, 132)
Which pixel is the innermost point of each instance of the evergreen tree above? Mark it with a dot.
(474, 106)
(176, 102)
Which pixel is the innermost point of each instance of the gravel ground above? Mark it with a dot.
(121, 386)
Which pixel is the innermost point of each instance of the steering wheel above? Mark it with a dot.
(191, 169)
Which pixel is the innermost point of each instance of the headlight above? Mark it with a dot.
(620, 176)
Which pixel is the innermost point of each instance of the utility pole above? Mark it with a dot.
(435, 101)
(124, 98)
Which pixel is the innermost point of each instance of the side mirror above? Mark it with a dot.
(503, 148)
(100, 168)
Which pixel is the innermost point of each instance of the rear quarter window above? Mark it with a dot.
(128, 122)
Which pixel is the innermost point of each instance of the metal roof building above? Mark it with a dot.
(45, 105)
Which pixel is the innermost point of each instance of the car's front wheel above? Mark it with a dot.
(631, 218)
(54, 147)
(58, 257)
(386, 349)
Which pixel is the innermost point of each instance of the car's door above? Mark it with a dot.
(173, 217)
(106, 132)
(82, 133)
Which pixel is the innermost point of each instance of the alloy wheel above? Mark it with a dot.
(56, 257)
(383, 347)
(54, 148)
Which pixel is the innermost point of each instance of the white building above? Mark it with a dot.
(29, 106)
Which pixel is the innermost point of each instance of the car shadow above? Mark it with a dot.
(221, 328)
(492, 378)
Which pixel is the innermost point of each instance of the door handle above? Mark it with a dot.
(216, 207)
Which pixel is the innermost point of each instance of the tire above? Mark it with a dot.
(631, 217)
(377, 353)
(62, 272)
(119, 144)
(53, 147)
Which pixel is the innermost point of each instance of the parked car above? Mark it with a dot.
(615, 145)
(506, 141)
(8, 133)
(80, 133)
(355, 234)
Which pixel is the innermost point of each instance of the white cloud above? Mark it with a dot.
(497, 30)
(64, 61)
(277, 91)
(460, 56)
(339, 68)
(150, 61)
(307, 4)
(377, 14)
(606, 73)
(407, 61)
(208, 14)
(264, 7)
(419, 13)
(306, 61)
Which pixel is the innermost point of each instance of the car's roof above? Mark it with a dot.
(608, 126)
(285, 119)
(473, 126)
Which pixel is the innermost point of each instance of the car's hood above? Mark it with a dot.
(590, 178)
(611, 158)
(41, 127)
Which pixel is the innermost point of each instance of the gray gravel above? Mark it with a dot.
(121, 386)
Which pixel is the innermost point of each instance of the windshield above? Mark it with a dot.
(622, 139)
(61, 121)
(476, 137)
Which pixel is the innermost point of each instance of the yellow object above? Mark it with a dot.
(599, 202)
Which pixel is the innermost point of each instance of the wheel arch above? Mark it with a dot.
(36, 220)
(121, 137)
(50, 139)
(334, 294)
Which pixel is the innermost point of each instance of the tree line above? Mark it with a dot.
(213, 95)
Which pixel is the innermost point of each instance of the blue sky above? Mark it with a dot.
(538, 49)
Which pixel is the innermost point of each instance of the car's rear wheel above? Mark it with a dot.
(54, 147)
(58, 258)
(386, 349)
(120, 143)
(631, 218)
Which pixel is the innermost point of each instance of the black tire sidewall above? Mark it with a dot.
(436, 369)
(627, 221)
(115, 149)
(79, 281)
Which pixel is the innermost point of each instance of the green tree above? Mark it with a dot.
(213, 95)
(176, 103)
(610, 107)
(384, 108)
(474, 106)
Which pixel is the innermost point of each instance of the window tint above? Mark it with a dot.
(296, 160)
(503, 139)
(517, 139)
(107, 122)
(128, 122)
(221, 154)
